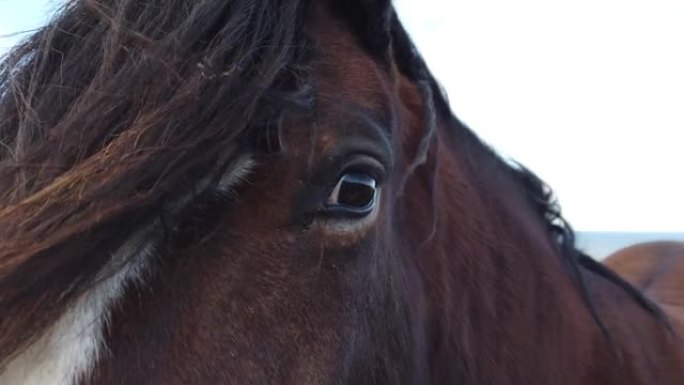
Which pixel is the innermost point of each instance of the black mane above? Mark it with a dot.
(541, 198)
(538, 194)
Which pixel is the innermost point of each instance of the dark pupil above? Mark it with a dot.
(356, 193)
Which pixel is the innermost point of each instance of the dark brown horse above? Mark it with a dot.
(276, 192)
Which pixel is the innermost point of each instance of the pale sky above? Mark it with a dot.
(587, 93)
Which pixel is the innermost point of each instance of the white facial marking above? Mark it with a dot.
(69, 350)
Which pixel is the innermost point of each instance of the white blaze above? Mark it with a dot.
(69, 350)
(72, 346)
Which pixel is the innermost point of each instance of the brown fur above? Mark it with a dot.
(463, 278)
(657, 269)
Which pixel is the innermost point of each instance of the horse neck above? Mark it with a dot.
(505, 301)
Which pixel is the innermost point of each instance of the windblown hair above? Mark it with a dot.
(111, 116)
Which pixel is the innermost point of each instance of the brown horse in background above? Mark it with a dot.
(657, 270)
(277, 192)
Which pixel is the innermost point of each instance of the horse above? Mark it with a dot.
(277, 192)
(655, 268)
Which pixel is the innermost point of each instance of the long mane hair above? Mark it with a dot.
(112, 116)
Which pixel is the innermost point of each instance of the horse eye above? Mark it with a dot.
(354, 193)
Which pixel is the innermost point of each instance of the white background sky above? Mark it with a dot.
(587, 93)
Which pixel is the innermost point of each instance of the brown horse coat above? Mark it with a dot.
(657, 269)
(171, 213)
